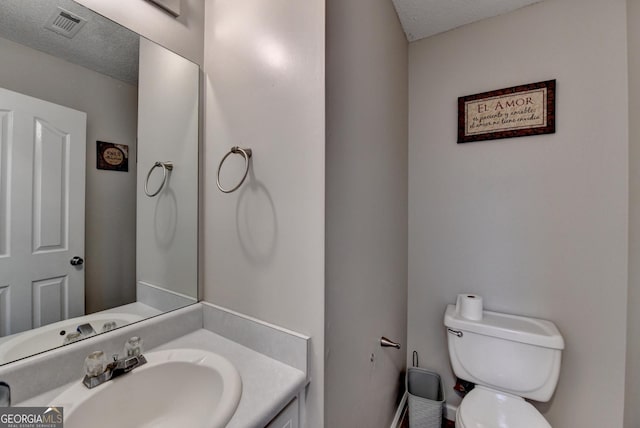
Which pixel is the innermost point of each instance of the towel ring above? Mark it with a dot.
(246, 154)
(166, 166)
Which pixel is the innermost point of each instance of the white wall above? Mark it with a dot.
(110, 195)
(366, 212)
(167, 233)
(264, 244)
(183, 35)
(632, 397)
(537, 225)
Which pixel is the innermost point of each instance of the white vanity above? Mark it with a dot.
(271, 362)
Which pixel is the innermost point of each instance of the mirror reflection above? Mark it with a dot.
(90, 113)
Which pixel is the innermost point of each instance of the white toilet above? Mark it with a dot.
(509, 358)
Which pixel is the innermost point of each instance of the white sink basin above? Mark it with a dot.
(51, 336)
(186, 388)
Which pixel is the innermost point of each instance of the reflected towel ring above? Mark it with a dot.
(166, 166)
(246, 153)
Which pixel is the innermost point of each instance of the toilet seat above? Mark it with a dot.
(487, 408)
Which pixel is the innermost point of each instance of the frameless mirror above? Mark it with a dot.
(98, 176)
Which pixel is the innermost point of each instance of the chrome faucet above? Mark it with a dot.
(98, 371)
(5, 395)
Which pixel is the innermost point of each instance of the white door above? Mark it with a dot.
(42, 171)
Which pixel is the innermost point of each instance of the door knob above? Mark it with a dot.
(76, 261)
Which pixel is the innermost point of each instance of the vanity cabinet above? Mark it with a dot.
(287, 418)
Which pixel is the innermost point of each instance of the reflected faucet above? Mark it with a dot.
(82, 331)
(98, 371)
(86, 330)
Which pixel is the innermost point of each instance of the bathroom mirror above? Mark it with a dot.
(98, 176)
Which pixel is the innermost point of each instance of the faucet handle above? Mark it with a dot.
(109, 325)
(74, 336)
(95, 364)
(133, 347)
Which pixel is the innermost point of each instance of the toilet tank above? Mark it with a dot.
(510, 353)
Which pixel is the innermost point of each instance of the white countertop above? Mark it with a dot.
(267, 384)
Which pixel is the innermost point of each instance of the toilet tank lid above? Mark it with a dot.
(533, 331)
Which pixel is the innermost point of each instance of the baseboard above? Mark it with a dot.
(450, 411)
(399, 410)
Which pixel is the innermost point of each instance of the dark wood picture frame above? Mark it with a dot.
(521, 123)
(113, 157)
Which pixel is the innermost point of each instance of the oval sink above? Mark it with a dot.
(51, 336)
(176, 388)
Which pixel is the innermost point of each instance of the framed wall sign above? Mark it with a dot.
(506, 113)
(114, 157)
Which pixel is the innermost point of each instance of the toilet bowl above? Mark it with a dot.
(484, 408)
(509, 358)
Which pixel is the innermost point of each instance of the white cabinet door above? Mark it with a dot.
(288, 418)
(42, 186)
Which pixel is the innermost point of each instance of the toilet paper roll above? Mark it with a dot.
(469, 306)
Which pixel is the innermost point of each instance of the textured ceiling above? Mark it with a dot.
(101, 45)
(424, 18)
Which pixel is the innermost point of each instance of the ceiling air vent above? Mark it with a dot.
(65, 23)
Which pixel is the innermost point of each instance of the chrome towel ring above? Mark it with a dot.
(166, 166)
(246, 153)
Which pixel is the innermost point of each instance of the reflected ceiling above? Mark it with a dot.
(93, 47)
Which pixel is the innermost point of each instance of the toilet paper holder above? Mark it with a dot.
(386, 343)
